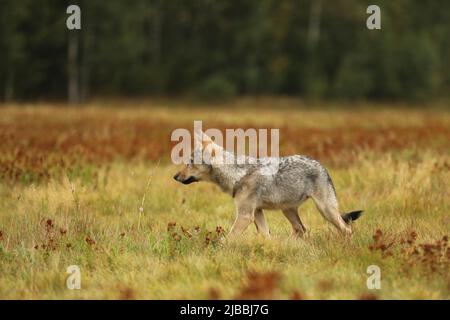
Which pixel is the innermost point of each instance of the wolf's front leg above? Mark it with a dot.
(245, 215)
(261, 224)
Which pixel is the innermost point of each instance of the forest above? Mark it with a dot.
(315, 49)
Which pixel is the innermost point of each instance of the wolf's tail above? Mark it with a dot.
(351, 216)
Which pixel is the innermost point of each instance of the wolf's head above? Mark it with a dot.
(194, 172)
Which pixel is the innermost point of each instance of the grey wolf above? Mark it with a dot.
(297, 179)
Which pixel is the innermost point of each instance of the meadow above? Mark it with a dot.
(92, 186)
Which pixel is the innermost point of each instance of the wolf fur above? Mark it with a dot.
(296, 179)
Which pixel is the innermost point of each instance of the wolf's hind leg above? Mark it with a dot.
(260, 223)
(298, 229)
(330, 212)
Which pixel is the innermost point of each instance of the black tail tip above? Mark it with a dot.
(351, 216)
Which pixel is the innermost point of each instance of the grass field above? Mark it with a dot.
(92, 187)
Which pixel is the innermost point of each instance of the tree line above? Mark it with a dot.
(212, 49)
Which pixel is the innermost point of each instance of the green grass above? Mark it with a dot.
(135, 256)
(146, 261)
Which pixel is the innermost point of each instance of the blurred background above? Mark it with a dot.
(213, 49)
(86, 118)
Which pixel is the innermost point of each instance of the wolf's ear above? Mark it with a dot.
(198, 136)
(202, 139)
(211, 151)
(198, 140)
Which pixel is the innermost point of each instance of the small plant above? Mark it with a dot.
(382, 243)
(259, 285)
(90, 241)
(431, 257)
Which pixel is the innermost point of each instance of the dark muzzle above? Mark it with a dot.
(185, 181)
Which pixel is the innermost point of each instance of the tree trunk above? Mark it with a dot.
(157, 33)
(87, 40)
(73, 86)
(314, 24)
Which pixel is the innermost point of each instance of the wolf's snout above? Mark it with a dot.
(181, 178)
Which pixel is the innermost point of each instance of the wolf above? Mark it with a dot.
(296, 179)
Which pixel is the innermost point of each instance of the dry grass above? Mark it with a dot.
(72, 184)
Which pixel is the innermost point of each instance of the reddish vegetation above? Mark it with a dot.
(213, 294)
(428, 257)
(368, 296)
(341, 144)
(208, 237)
(126, 293)
(39, 146)
(297, 295)
(259, 286)
(325, 285)
(382, 243)
(90, 241)
(53, 237)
